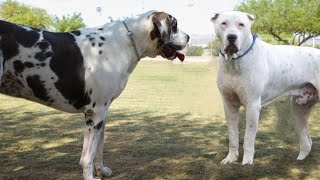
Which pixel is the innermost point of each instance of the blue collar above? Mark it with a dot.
(253, 41)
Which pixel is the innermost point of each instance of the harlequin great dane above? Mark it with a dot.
(253, 73)
(83, 71)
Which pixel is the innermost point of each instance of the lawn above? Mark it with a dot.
(167, 124)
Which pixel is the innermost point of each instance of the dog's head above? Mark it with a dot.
(233, 28)
(168, 38)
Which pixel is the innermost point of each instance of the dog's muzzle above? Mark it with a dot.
(231, 49)
(171, 51)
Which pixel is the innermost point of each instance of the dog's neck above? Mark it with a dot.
(141, 27)
(139, 41)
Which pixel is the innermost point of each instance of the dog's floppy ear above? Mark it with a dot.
(159, 30)
(215, 16)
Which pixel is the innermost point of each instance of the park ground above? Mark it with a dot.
(167, 124)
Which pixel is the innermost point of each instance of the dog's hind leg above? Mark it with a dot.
(300, 114)
(95, 120)
(99, 169)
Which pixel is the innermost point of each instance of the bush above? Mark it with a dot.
(214, 46)
(194, 51)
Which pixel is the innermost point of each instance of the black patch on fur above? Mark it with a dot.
(91, 39)
(12, 35)
(94, 105)
(18, 67)
(43, 45)
(90, 92)
(26, 38)
(9, 47)
(38, 88)
(28, 64)
(76, 32)
(100, 52)
(40, 56)
(98, 126)
(43, 64)
(88, 35)
(100, 44)
(67, 63)
(43, 54)
(48, 54)
(93, 44)
(102, 38)
(89, 122)
(100, 29)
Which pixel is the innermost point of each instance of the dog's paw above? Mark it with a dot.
(305, 148)
(303, 155)
(247, 161)
(232, 157)
(105, 171)
(247, 158)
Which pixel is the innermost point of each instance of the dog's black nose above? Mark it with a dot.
(188, 38)
(232, 38)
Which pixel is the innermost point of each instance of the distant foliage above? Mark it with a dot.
(214, 46)
(18, 13)
(194, 51)
(22, 14)
(288, 21)
(68, 23)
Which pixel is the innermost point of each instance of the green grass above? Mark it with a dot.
(167, 124)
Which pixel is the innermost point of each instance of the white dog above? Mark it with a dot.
(83, 71)
(253, 73)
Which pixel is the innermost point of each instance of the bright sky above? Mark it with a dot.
(193, 15)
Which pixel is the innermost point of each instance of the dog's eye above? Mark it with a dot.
(241, 24)
(224, 23)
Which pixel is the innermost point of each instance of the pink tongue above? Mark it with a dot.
(180, 55)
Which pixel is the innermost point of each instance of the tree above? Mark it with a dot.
(194, 51)
(68, 23)
(22, 14)
(289, 21)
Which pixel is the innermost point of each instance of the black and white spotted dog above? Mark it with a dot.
(83, 71)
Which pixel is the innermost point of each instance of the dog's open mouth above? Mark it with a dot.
(171, 51)
(231, 49)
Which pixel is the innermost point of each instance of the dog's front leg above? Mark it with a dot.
(95, 120)
(252, 119)
(231, 109)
